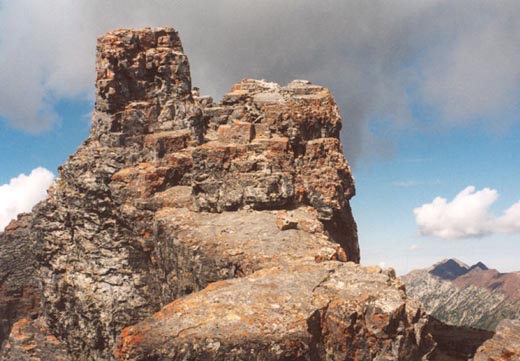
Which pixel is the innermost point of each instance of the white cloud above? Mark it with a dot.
(22, 193)
(459, 57)
(466, 216)
(510, 221)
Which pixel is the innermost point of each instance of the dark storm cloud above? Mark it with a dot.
(459, 58)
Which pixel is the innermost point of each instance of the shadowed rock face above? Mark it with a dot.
(449, 269)
(456, 343)
(237, 211)
(19, 293)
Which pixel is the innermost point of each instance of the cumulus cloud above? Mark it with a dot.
(378, 57)
(22, 193)
(510, 221)
(468, 215)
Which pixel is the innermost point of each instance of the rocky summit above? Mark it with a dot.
(185, 229)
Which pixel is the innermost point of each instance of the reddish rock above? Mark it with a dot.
(31, 341)
(309, 311)
(285, 220)
(504, 346)
(159, 153)
(236, 132)
(163, 143)
(491, 279)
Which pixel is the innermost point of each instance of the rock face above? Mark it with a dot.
(31, 340)
(97, 265)
(505, 345)
(461, 295)
(118, 233)
(19, 291)
(302, 311)
(191, 230)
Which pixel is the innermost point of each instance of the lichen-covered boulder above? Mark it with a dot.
(302, 311)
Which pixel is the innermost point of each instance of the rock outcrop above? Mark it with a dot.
(19, 288)
(160, 160)
(184, 229)
(302, 311)
(31, 340)
(505, 345)
(460, 295)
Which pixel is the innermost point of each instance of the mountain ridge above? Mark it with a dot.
(477, 296)
(449, 269)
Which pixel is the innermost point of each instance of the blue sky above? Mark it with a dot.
(428, 92)
(22, 151)
(427, 165)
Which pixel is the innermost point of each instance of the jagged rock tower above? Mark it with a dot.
(238, 212)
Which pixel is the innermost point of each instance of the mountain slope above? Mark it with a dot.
(479, 297)
(504, 345)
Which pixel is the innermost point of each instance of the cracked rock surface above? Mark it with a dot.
(302, 311)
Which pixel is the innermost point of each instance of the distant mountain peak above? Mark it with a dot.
(479, 265)
(451, 261)
(457, 294)
(449, 269)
